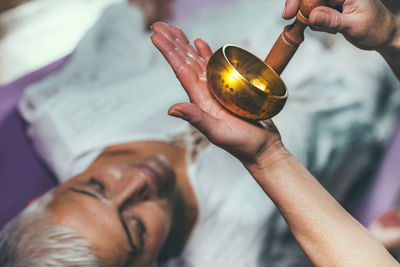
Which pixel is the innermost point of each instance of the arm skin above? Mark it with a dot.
(391, 54)
(328, 235)
(325, 231)
(367, 24)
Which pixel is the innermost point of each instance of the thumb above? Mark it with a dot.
(197, 117)
(326, 19)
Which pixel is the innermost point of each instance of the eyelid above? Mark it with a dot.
(97, 185)
(141, 227)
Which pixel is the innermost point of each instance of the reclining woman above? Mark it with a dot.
(149, 188)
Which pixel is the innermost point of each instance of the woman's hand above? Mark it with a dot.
(244, 139)
(365, 23)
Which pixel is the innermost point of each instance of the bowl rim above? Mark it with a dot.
(223, 48)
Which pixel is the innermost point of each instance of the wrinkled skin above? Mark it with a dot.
(367, 24)
(133, 203)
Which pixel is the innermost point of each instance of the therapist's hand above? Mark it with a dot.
(245, 140)
(365, 23)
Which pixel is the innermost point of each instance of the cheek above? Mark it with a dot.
(157, 217)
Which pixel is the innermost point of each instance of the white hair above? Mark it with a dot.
(33, 240)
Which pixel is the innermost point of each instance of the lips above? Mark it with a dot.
(152, 173)
(159, 170)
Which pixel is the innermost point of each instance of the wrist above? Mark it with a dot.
(392, 46)
(271, 158)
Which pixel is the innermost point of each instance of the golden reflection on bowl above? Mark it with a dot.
(244, 84)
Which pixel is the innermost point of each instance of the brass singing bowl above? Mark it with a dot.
(244, 84)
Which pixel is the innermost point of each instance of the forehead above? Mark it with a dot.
(94, 220)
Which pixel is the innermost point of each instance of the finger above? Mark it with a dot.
(180, 42)
(162, 28)
(291, 8)
(184, 46)
(327, 19)
(205, 53)
(183, 42)
(179, 34)
(190, 57)
(165, 41)
(197, 117)
(181, 37)
(203, 48)
(183, 71)
(186, 74)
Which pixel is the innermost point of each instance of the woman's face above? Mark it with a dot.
(124, 209)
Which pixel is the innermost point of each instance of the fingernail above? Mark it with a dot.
(284, 10)
(176, 113)
(321, 19)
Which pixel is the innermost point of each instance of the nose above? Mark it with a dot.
(129, 188)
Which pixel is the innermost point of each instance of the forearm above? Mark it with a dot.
(326, 232)
(391, 52)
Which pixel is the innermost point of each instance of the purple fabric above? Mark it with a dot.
(22, 176)
(382, 193)
(185, 9)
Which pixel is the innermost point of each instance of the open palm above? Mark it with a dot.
(244, 139)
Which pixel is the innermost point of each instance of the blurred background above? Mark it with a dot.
(34, 33)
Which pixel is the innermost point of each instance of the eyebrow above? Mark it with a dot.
(124, 226)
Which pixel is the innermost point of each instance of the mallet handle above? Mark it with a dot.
(292, 36)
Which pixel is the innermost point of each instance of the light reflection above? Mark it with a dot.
(260, 84)
(232, 76)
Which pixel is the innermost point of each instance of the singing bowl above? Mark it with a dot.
(244, 84)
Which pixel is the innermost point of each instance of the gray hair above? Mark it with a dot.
(33, 240)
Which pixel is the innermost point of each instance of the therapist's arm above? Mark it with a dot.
(391, 53)
(326, 232)
(367, 24)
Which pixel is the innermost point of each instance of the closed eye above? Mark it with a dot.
(97, 186)
(138, 231)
